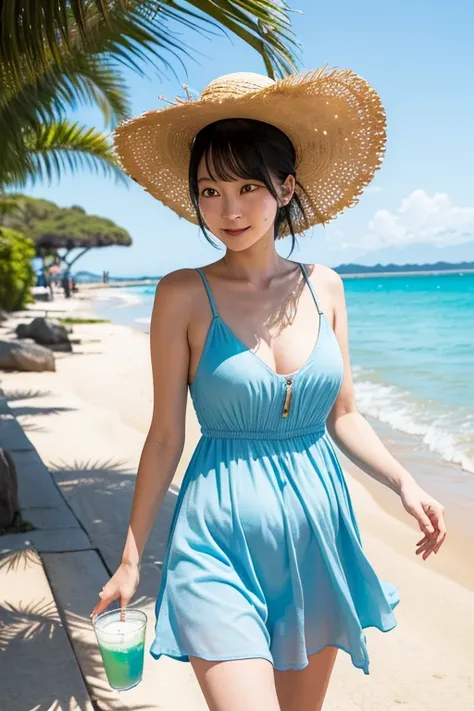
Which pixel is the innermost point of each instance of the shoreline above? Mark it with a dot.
(88, 422)
(126, 309)
(427, 272)
(441, 479)
(355, 275)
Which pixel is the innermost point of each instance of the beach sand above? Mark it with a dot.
(88, 422)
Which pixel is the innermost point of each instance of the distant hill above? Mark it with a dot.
(85, 277)
(414, 254)
(393, 268)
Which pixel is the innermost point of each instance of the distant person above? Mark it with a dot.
(264, 572)
(49, 284)
(66, 285)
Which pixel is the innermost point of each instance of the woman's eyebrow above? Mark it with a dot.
(204, 177)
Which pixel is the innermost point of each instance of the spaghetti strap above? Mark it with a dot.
(310, 286)
(209, 293)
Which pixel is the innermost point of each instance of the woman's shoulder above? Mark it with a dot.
(328, 286)
(178, 288)
(181, 289)
(178, 279)
(323, 275)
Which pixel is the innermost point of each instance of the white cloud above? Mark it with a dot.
(420, 219)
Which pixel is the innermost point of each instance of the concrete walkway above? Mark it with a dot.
(39, 669)
(50, 577)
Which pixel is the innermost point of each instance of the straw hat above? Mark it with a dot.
(334, 119)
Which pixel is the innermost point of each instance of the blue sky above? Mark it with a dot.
(418, 55)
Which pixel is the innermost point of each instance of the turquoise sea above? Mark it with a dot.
(412, 352)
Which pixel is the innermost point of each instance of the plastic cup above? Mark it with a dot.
(122, 646)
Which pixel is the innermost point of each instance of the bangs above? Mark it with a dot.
(234, 151)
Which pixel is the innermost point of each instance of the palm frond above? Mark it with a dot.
(36, 30)
(53, 147)
(82, 79)
(30, 27)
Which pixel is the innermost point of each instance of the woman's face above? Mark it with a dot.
(242, 211)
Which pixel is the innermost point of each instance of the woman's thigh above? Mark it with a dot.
(305, 689)
(237, 685)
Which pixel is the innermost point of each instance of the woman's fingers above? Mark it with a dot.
(440, 540)
(425, 550)
(433, 543)
(104, 602)
(437, 518)
(429, 514)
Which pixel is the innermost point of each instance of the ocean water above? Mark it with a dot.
(412, 353)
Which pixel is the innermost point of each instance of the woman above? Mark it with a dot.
(264, 576)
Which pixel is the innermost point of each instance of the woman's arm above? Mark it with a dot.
(359, 442)
(347, 427)
(164, 442)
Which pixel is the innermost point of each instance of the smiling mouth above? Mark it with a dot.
(236, 232)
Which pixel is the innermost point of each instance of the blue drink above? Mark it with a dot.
(122, 645)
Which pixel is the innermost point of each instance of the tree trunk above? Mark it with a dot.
(9, 506)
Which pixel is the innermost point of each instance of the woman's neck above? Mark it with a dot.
(257, 265)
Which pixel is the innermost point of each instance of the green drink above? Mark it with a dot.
(122, 645)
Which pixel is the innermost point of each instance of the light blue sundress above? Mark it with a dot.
(264, 556)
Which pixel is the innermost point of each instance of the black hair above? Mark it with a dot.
(247, 148)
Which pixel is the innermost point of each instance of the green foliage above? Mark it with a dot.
(71, 320)
(16, 273)
(52, 227)
(18, 525)
(37, 141)
(32, 32)
(56, 55)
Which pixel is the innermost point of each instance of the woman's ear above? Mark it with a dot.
(288, 189)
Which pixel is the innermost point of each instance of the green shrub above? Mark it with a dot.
(16, 272)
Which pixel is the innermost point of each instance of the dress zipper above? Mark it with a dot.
(289, 390)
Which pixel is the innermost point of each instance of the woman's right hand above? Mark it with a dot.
(121, 586)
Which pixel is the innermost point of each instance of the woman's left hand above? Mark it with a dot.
(430, 516)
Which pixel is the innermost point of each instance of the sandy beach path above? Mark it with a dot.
(88, 422)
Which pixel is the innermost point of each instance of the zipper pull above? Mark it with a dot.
(289, 390)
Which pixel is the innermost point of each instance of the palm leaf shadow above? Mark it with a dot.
(35, 651)
(100, 495)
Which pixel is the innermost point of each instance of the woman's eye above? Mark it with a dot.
(209, 192)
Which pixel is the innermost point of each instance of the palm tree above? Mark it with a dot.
(37, 140)
(55, 54)
(33, 30)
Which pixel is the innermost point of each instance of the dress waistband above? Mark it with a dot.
(263, 434)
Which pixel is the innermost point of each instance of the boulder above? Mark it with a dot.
(43, 331)
(9, 507)
(63, 347)
(22, 330)
(4, 316)
(15, 355)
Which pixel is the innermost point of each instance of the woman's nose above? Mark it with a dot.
(230, 210)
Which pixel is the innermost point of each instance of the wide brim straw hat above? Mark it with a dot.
(333, 117)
